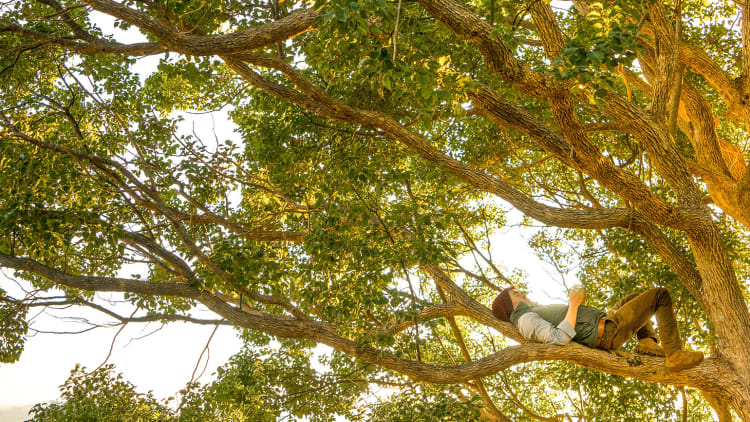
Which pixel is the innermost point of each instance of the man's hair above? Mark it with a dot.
(502, 306)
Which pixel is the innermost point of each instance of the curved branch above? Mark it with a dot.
(730, 90)
(584, 158)
(499, 57)
(101, 284)
(151, 318)
(204, 45)
(93, 46)
(444, 310)
(721, 165)
(700, 62)
(171, 39)
(720, 404)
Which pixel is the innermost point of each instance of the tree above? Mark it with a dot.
(101, 396)
(377, 139)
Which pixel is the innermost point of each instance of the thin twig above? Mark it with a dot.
(197, 364)
(112, 345)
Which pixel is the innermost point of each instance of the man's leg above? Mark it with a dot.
(636, 312)
(634, 315)
(647, 330)
(648, 343)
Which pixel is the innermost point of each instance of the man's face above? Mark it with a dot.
(516, 296)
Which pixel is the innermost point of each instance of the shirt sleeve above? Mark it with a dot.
(534, 327)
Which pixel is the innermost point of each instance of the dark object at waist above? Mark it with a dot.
(600, 332)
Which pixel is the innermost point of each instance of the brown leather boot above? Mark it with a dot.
(683, 359)
(648, 346)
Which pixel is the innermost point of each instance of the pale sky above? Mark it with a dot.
(162, 362)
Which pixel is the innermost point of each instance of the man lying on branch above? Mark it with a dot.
(559, 324)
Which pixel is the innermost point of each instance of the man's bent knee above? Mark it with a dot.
(622, 302)
(662, 296)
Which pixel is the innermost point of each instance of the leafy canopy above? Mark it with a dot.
(375, 150)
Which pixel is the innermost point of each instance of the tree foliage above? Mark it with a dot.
(100, 395)
(377, 149)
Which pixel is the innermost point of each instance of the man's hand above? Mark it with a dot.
(577, 296)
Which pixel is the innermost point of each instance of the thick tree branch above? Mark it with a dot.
(549, 31)
(744, 7)
(720, 164)
(94, 283)
(679, 69)
(79, 32)
(456, 17)
(665, 51)
(204, 45)
(703, 134)
(720, 404)
(96, 46)
(317, 101)
(170, 38)
(584, 157)
(625, 364)
(499, 57)
(665, 156)
(700, 62)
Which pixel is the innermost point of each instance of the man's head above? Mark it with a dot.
(506, 302)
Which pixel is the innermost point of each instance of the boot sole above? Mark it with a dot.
(683, 366)
(641, 352)
(650, 353)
